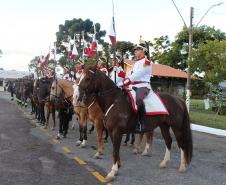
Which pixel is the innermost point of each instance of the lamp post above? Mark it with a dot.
(218, 4)
(188, 91)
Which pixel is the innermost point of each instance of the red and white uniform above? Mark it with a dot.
(78, 71)
(66, 76)
(142, 70)
(104, 70)
(140, 76)
(120, 74)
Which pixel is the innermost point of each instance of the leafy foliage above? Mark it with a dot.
(210, 59)
(35, 67)
(125, 48)
(77, 27)
(175, 54)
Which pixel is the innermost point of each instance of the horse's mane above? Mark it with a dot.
(67, 82)
(93, 69)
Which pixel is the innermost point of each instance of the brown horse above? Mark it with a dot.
(120, 117)
(91, 112)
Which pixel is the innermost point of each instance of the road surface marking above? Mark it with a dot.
(99, 176)
(80, 161)
(66, 149)
(56, 141)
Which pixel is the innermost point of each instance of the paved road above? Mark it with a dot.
(29, 160)
(208, 165)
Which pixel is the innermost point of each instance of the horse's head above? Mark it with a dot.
(89, 83)
(56, 92)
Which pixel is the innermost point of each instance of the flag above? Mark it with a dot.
(47, 57)
(43, 60)
(74, 52)
(112, 34)
(94, 44)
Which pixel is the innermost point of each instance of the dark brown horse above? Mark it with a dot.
(120, 117)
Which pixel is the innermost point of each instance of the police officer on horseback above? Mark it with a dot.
(140, 81)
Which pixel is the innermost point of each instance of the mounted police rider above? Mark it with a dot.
(101, 65)
(140, 81)
(117, 73)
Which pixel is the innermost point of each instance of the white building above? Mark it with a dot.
(6, 75)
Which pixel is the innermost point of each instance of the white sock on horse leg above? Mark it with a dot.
(145, 152)
(166, 159)
(182, 167)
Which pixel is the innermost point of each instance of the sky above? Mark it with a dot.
(28, 27)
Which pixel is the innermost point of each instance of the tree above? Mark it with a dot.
(125, 47)
(210, 59)
(78, 27)
(35, 67)
(175, 54)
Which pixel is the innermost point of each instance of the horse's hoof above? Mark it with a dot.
(105, 141)
(124, 144)
(45, 127)
(109, 178)
(78, 143)
(97, 156)
(135, 152)
(83, 145)
(182, 169)
(58, 136)
(162, 165)
(144, 153)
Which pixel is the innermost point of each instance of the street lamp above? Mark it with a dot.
(188, 93)
(218, 4)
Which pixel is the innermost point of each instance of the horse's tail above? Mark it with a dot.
(187, 136)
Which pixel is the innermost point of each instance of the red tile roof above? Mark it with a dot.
(163, 70)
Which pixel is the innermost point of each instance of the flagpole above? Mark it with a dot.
(96, 54)
(54, 58)
(114, 47)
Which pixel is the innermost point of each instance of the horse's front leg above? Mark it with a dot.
(53, 117)
(138, 144)
(47, 115)
(149, 138)
(78, 143)
(99, 133)
(84, 132)
(116, 138)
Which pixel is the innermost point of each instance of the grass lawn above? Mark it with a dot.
(206, 117)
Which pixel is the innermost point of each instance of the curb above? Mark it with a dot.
(209, 130)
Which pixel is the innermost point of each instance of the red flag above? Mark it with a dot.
(93, 46)
(47, 57)
(112, 34)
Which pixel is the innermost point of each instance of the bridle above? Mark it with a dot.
(62, 97)
(96, 93)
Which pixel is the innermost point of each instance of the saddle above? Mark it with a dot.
(152, 102)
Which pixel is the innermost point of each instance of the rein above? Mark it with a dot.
(66, 98)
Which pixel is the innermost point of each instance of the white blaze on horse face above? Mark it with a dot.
(75, 94)
(82, 76)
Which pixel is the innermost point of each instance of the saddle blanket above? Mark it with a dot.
(153, 103)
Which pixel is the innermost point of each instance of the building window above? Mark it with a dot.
(1, 83)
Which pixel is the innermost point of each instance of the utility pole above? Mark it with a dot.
(188, 93)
